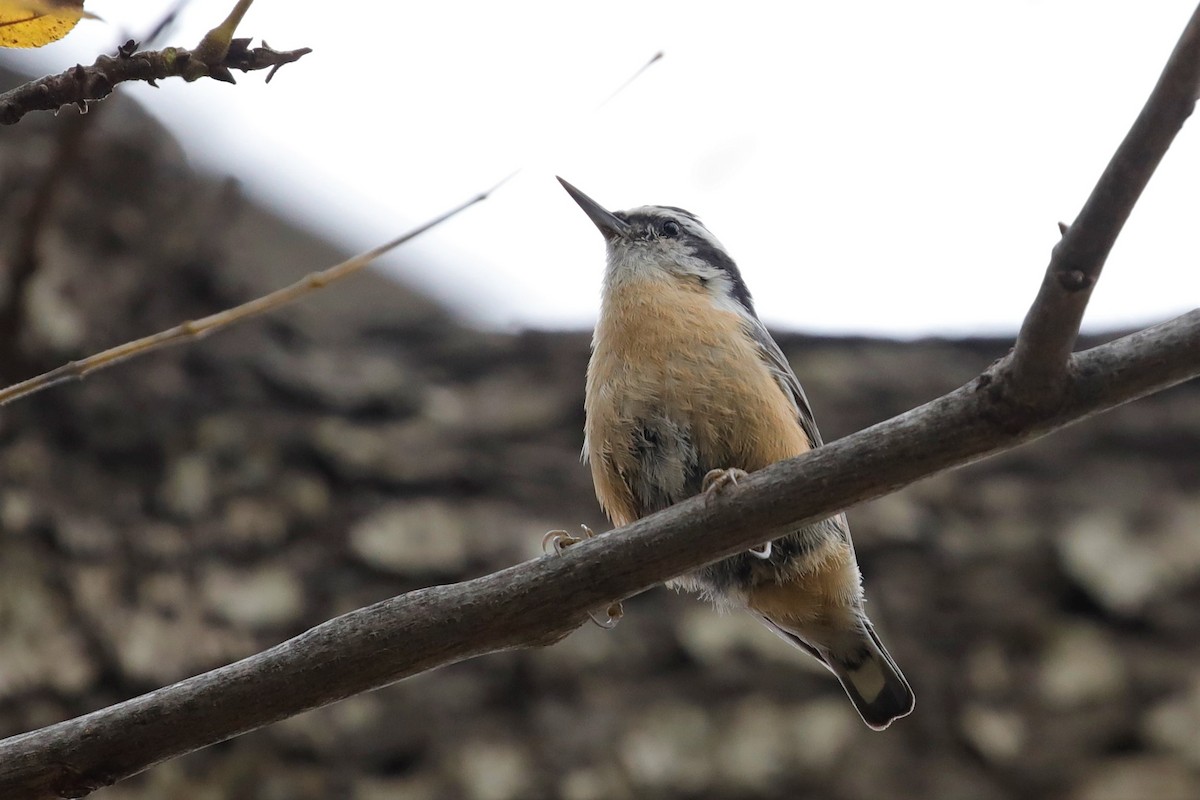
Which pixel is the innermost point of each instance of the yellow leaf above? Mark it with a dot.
(33, 23)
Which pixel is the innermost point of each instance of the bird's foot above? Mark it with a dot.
(561, 540)
(763, 551)
(612, 615)
(717, 481)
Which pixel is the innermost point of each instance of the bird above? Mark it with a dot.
(686, 393)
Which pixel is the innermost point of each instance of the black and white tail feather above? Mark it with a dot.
(874, 683)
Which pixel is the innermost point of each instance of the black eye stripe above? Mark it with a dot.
(656, 224)
(650, 222)
(718, 258)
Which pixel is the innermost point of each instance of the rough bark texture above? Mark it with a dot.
(81, 85)
(182, 512)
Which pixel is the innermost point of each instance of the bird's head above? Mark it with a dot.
(665, 243)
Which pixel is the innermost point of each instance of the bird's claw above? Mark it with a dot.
(612, 615)
(718, 480)
(763, 551)
(561, 540)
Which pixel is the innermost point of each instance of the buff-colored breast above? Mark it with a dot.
(663, 349)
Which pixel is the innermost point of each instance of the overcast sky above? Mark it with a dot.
(874, 167)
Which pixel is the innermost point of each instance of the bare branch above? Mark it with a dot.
(215, 45)
(1048, 334)
(199, 328)
(654, 59)
(164, 22)
(538, 602)
(80, 84)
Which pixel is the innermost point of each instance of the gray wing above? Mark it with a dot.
(773, 357)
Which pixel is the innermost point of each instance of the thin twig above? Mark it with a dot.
(654, 59)
(195, 329)
(80, 85)
(1050, 329)
(165, 21)
(215, 46)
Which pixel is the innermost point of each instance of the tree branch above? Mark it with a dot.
(538, 602)
(1050, 328)
(80, 84)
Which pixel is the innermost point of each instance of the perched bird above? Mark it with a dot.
(686, 392)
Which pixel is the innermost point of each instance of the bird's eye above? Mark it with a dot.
(670, 229)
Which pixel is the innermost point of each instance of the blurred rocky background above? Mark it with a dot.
(170, 515)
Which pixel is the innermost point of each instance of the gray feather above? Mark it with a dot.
(781, 370)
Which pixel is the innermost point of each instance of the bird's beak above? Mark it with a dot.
(609, 224)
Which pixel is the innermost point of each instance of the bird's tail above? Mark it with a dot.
(867, 672)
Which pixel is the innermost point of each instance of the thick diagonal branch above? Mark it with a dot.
(540, 601)
(1050, 329)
